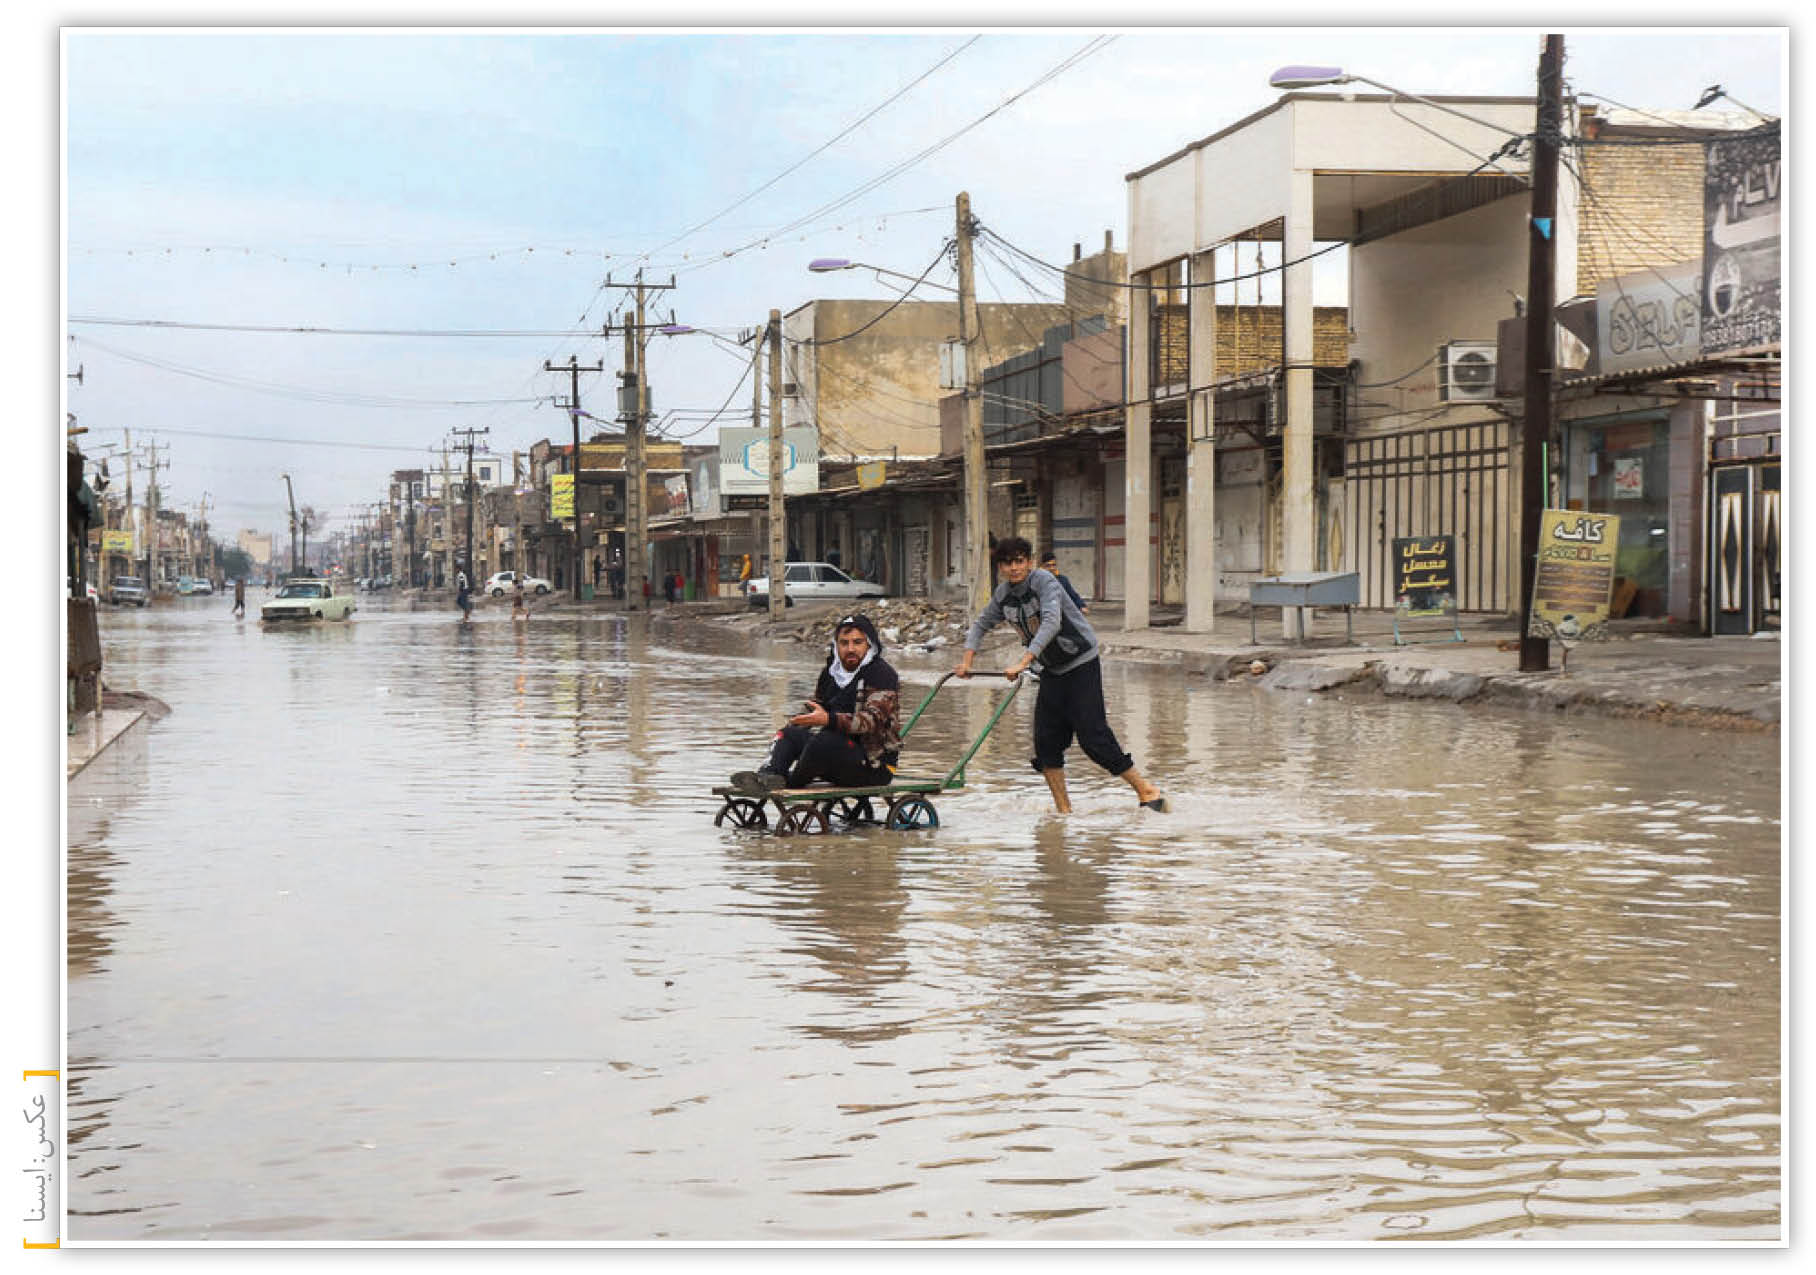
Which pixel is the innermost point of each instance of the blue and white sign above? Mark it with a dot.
(744, 461)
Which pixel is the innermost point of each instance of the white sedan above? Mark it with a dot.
(812, 582)
(502, 582)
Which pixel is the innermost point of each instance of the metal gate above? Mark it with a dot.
(1447, 480)
(1745, 549)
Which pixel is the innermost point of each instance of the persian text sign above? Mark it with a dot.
(871, 476)
(561, 495)
(1425, 575)
(1740, 293)
(744, 461)
(1648, 318)
(1575, 576)
(117, 542)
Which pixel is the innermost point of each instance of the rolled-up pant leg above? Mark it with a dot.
(1072, 703)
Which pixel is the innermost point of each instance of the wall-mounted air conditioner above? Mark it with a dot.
(1466, 371)
(612, 505)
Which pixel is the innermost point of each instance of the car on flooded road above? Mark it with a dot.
(502, 583)
(812, 582)
(303, 599)
(128, 590)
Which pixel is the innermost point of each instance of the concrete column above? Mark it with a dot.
(1138, 480)
(1299, 522)
(1201, 458)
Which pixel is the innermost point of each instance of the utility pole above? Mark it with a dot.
(127, 511)
(1535, 429)
(151, 518)
(472, 577)
(634, 409)
(573, 370)
(778, 509)
(977, 479)
(291, 493)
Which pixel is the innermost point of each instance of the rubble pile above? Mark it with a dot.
(904, 624)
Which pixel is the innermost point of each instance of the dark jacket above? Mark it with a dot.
(1050, 623)
(868, 709)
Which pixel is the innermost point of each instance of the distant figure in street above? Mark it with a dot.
(832, 556)
(846, 734)
(518, 612)
(598, 569)
(794, 552)
(1050, 562)
(1071, 677)
(463, 597)
(239, 595)
(668, 587)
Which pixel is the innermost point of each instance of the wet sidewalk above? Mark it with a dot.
(1643, 669)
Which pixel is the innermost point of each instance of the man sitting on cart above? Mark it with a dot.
(847, 734)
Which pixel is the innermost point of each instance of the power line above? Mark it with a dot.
(842, 134)
(293, 391)
(299, 330)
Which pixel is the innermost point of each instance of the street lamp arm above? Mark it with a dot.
(825, 265)
(1303, 77)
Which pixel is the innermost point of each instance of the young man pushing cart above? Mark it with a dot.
(1058, 637)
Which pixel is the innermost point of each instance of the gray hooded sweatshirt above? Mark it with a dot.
(1054, 630)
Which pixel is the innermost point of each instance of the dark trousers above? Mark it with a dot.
(807, 753)
(1072, 704)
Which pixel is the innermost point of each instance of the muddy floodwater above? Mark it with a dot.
(405, 932)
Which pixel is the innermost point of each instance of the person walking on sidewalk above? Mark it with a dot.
(1070, 702)
(847, 733)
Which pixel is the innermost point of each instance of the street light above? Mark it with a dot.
(1290, 78)
(825, 265)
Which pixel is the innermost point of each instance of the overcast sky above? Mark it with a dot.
(491, 182)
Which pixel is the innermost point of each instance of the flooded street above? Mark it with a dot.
(407, 932)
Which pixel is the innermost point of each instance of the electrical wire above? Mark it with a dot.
(298, 330)
(837, 137)
(815, 342)
(1094, 45)
(300, 393)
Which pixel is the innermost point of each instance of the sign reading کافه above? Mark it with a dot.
(1574, 578)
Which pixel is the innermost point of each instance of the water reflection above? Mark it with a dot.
(393, 901)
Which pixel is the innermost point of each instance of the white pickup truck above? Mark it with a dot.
(306, 599)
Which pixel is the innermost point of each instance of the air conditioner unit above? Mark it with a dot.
(1466, 371)
(612, 505)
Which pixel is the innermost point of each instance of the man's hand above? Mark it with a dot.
(964, 665)
(816, 715)
(1020, 666)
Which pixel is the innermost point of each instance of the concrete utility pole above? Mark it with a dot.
(977, 478)
(634, 411)
(573, 369)
(472, 576)
(151, 518)
(1535, 429)
(290, 492)
(127, 511)
(778, 508)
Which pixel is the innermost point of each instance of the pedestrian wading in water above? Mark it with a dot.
(1058, 637)
(847, 733)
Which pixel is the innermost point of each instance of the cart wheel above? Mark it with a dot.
(852, 810)
(913, 812)
(803, 819)
(744, 812)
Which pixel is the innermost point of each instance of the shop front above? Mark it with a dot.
(1636, 466)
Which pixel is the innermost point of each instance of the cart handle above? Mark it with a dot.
(955, 778)
(923, 705)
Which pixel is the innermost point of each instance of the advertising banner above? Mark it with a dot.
(744, 461)
(1648, 318)
(561, 495)
(676, 488)
(1574, 581)
(1740, 293)
(117, 542)
(871, 476)
(1425, 575)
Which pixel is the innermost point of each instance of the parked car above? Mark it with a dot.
(812, 582)
(304, 598)
(502, 582)
(123, 590)
(202, 586)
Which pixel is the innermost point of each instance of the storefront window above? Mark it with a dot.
(1624, 469)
